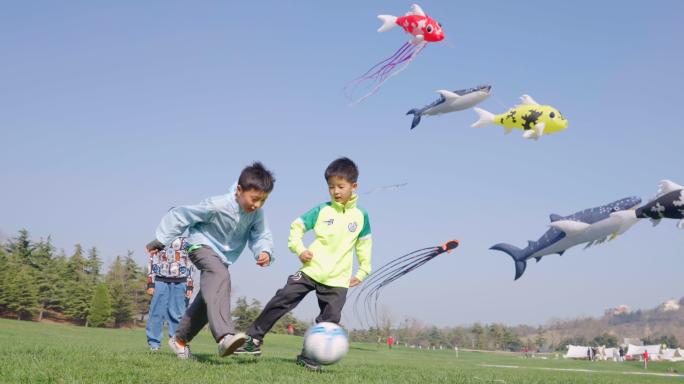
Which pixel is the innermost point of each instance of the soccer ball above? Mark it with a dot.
(326, 343)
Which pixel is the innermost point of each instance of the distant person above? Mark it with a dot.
(589, 354)
(622, 354)
(390, 341)
(646, 359)
(527, 352)
(219, 228)
(169, 282)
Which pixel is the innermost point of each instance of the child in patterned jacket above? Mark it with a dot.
(170, 280)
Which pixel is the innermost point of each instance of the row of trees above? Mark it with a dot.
(36, 279)
(412, 331)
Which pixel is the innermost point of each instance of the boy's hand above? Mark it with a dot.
(150, 291)
(264, 259)
(306, 257)
(154, 251)
(188, 294)
(354, 282)
(154, 246)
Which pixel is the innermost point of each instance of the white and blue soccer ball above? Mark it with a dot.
(326, 343)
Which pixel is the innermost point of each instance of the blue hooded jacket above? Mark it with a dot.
(221, 223)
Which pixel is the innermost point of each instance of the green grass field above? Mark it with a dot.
(36, 353)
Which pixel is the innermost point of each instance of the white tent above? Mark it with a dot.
(577, 352)
(655, 352)
(673, 354)
(610, 353)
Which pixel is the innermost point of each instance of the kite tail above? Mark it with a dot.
(405, 54)
(517, 255)
(416, 117)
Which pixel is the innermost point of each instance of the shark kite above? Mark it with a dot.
(592, 226)
(668, 203)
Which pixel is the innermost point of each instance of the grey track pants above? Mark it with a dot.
(212, 303)
(330, 301)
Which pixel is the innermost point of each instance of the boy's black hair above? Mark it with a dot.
(256, 176)
(343, 168)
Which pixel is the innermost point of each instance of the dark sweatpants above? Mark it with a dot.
(330, 301)
(212, 303)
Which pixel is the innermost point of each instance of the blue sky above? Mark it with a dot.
(115, 112)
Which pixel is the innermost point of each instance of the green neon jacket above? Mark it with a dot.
(339, 229)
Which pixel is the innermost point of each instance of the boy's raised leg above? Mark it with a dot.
(285, 300)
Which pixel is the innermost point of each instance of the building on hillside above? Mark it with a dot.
(619, 310)
(670, 305)
(633, 341)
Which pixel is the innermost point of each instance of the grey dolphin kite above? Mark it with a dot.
(591, 226)
(452, 102)
(668, 203)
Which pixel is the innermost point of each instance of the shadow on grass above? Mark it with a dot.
(211, 359)
(363, 349)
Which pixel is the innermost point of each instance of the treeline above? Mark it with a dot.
(652, 326)
(36, 278)
(412, 332)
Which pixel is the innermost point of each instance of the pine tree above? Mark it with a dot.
(48, 269)
(495, 335)
(4, 275)
(80, 287)
(100, 308)
(141, 300)
(21, 247)
(539, 337)
(125, 283)
(246, 313)
(21, 294)
(478, 332)
(93, 264)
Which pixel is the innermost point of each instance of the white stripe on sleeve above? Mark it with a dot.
(368, 236)
(301, 223)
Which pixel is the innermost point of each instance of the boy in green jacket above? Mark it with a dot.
(340, 226)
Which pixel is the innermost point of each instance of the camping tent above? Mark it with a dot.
(610, 353)
(673, 354)
(655, 352)
(577, 352)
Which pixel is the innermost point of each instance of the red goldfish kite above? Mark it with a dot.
(418, 24)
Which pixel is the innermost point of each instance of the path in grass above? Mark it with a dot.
(33, 353)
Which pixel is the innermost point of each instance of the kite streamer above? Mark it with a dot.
(375, 282)
(383, 188)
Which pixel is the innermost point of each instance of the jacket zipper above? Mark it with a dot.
(230, 237)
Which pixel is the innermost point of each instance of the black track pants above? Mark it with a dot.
(330, 301)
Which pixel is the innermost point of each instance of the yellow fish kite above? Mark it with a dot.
(531, 117)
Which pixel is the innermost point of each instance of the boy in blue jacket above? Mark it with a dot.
(218, 230)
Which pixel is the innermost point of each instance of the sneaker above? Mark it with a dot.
(181, 352)
(308, 363)
(251, 347)
(230, 343)
(154, 348)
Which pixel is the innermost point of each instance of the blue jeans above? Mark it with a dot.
(168, 303)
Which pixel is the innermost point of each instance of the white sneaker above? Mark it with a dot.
(181, 352)
(230, 343)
